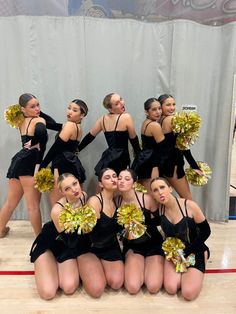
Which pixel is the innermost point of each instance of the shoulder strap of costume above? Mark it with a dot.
(60, 204)
(147, 126)
(161, 120)
(100, 200)
(138, 199)
(77, 131)
(117, 121)
(185, 206)
(82, 199)
(179, 206)
(162, 209)
(103, 122)
(28, 126)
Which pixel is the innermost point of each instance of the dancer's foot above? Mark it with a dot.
(4, 232)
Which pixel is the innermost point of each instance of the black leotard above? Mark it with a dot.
(148, 158)
(24, 162)
(117, 155)
(63, 157)
(175, 157)
(104, 240)
(63, 245)
(186, 230)
(150, 243)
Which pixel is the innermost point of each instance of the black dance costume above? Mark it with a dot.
(149, 157)
(150, 243)
(63, 245)
(24, 162)
(51, 124)
(63, 157)
(191, 233)
(104, 239)
(175, 158)
(116, 156)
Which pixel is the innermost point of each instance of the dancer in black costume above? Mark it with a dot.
(104, 265)
(54, 253)
(118, 128)
(143, 256)
(24, 165)
(173, 167)
(146, 163)
(182, 219)
(62, 154)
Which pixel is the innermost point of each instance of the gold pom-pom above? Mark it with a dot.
(83, 219)
(87, 219)
(183, 142)
(173, 249)
(44, 180)
(186, 125)
(14, 116)
(139, 187)
(186, 122)
(196, 179)
(132, 219)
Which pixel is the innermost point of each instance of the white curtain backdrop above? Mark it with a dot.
(59, 59)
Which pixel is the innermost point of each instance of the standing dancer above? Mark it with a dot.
(146, 163)
(62, 154)
(173, 167)
(23, 166)
(54, 252)
(182, 219)
(143, 256)
(118, 128)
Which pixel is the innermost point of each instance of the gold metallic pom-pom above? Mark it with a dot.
(132, 219)
(173, 249)
(184, 142)
(14, 116)
(83, 219)
(186, 122)
(87, 219)
(139, 187)
(186, 125)
(196, 179)
(44, 180)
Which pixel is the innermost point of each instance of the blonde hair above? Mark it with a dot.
(107, 101)
(62, 177)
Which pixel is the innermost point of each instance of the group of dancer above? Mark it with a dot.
(100, 257)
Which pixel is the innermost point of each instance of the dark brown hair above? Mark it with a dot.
(82, 105)
(162, 98)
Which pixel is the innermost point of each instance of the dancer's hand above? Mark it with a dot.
(27, 145)
(199, 172)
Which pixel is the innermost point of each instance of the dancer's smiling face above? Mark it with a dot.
(168, 106)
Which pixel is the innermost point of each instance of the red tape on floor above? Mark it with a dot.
(221, 271)
(31, 272)
(16, 272)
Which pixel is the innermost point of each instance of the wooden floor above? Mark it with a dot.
(18, 291)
